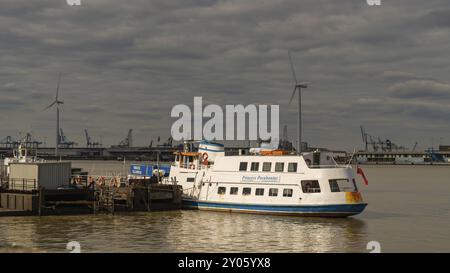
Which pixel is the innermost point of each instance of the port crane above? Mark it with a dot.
(64, 142)
(128, 141)
(378, 144)
(28, 142)
(89, 142)
(9, 142)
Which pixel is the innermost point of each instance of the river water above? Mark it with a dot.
(408, 211)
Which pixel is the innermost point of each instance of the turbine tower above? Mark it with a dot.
(298, 86)
(57, 102)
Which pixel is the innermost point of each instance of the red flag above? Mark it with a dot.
(360, 172)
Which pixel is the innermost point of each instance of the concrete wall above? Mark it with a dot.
(21, 202)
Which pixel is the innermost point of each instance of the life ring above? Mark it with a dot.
(192, 166)
(205, 158)
(114, 182)
(101, 181)
(90, 181)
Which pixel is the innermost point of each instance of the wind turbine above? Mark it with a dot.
(298, 86)
(56, 102)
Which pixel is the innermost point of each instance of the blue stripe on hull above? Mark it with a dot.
(316, 210)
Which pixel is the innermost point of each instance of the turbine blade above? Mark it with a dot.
(50, 105)
(292, 67)
(293, 94)
(57, 88)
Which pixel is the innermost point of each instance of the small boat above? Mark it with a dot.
(267, 182)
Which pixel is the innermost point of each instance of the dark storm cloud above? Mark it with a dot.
(10, 104)
(126, 63)
(425, 89)
(439, 18)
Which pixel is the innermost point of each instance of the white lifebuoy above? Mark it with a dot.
(193, 166)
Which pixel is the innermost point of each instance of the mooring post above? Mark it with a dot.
(41, 199)
(94, 200)
(148, 198)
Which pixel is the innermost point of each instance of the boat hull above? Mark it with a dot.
(335, 211)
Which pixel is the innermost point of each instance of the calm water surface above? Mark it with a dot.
(408, 211)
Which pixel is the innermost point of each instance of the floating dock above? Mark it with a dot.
(136, 197)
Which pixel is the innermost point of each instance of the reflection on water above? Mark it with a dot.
(408, 211)
(185, 231)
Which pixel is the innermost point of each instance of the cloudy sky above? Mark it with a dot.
(126, 63)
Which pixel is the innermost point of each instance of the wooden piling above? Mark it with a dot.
(41, 200)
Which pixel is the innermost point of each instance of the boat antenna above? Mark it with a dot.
(351, 158)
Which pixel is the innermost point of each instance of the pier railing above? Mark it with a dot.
(19, 184)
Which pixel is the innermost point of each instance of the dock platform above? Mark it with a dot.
(136, 197)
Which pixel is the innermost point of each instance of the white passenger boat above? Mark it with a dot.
(272, 182)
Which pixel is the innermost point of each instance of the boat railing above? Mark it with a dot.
(336, 166)
(192, 166)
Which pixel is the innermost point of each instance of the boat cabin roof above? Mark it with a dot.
(187, 153)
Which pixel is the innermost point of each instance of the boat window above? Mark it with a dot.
(279, 166)
(342, 185)
(234, 190)
(190, 179)
(310, 186)
(273, 192)
(292, 167)
(243, 166)
(246, 191)
(221, 190)
(287, 192)
(259, 192)
(255, 166)
(267, 166)
(334, 186)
